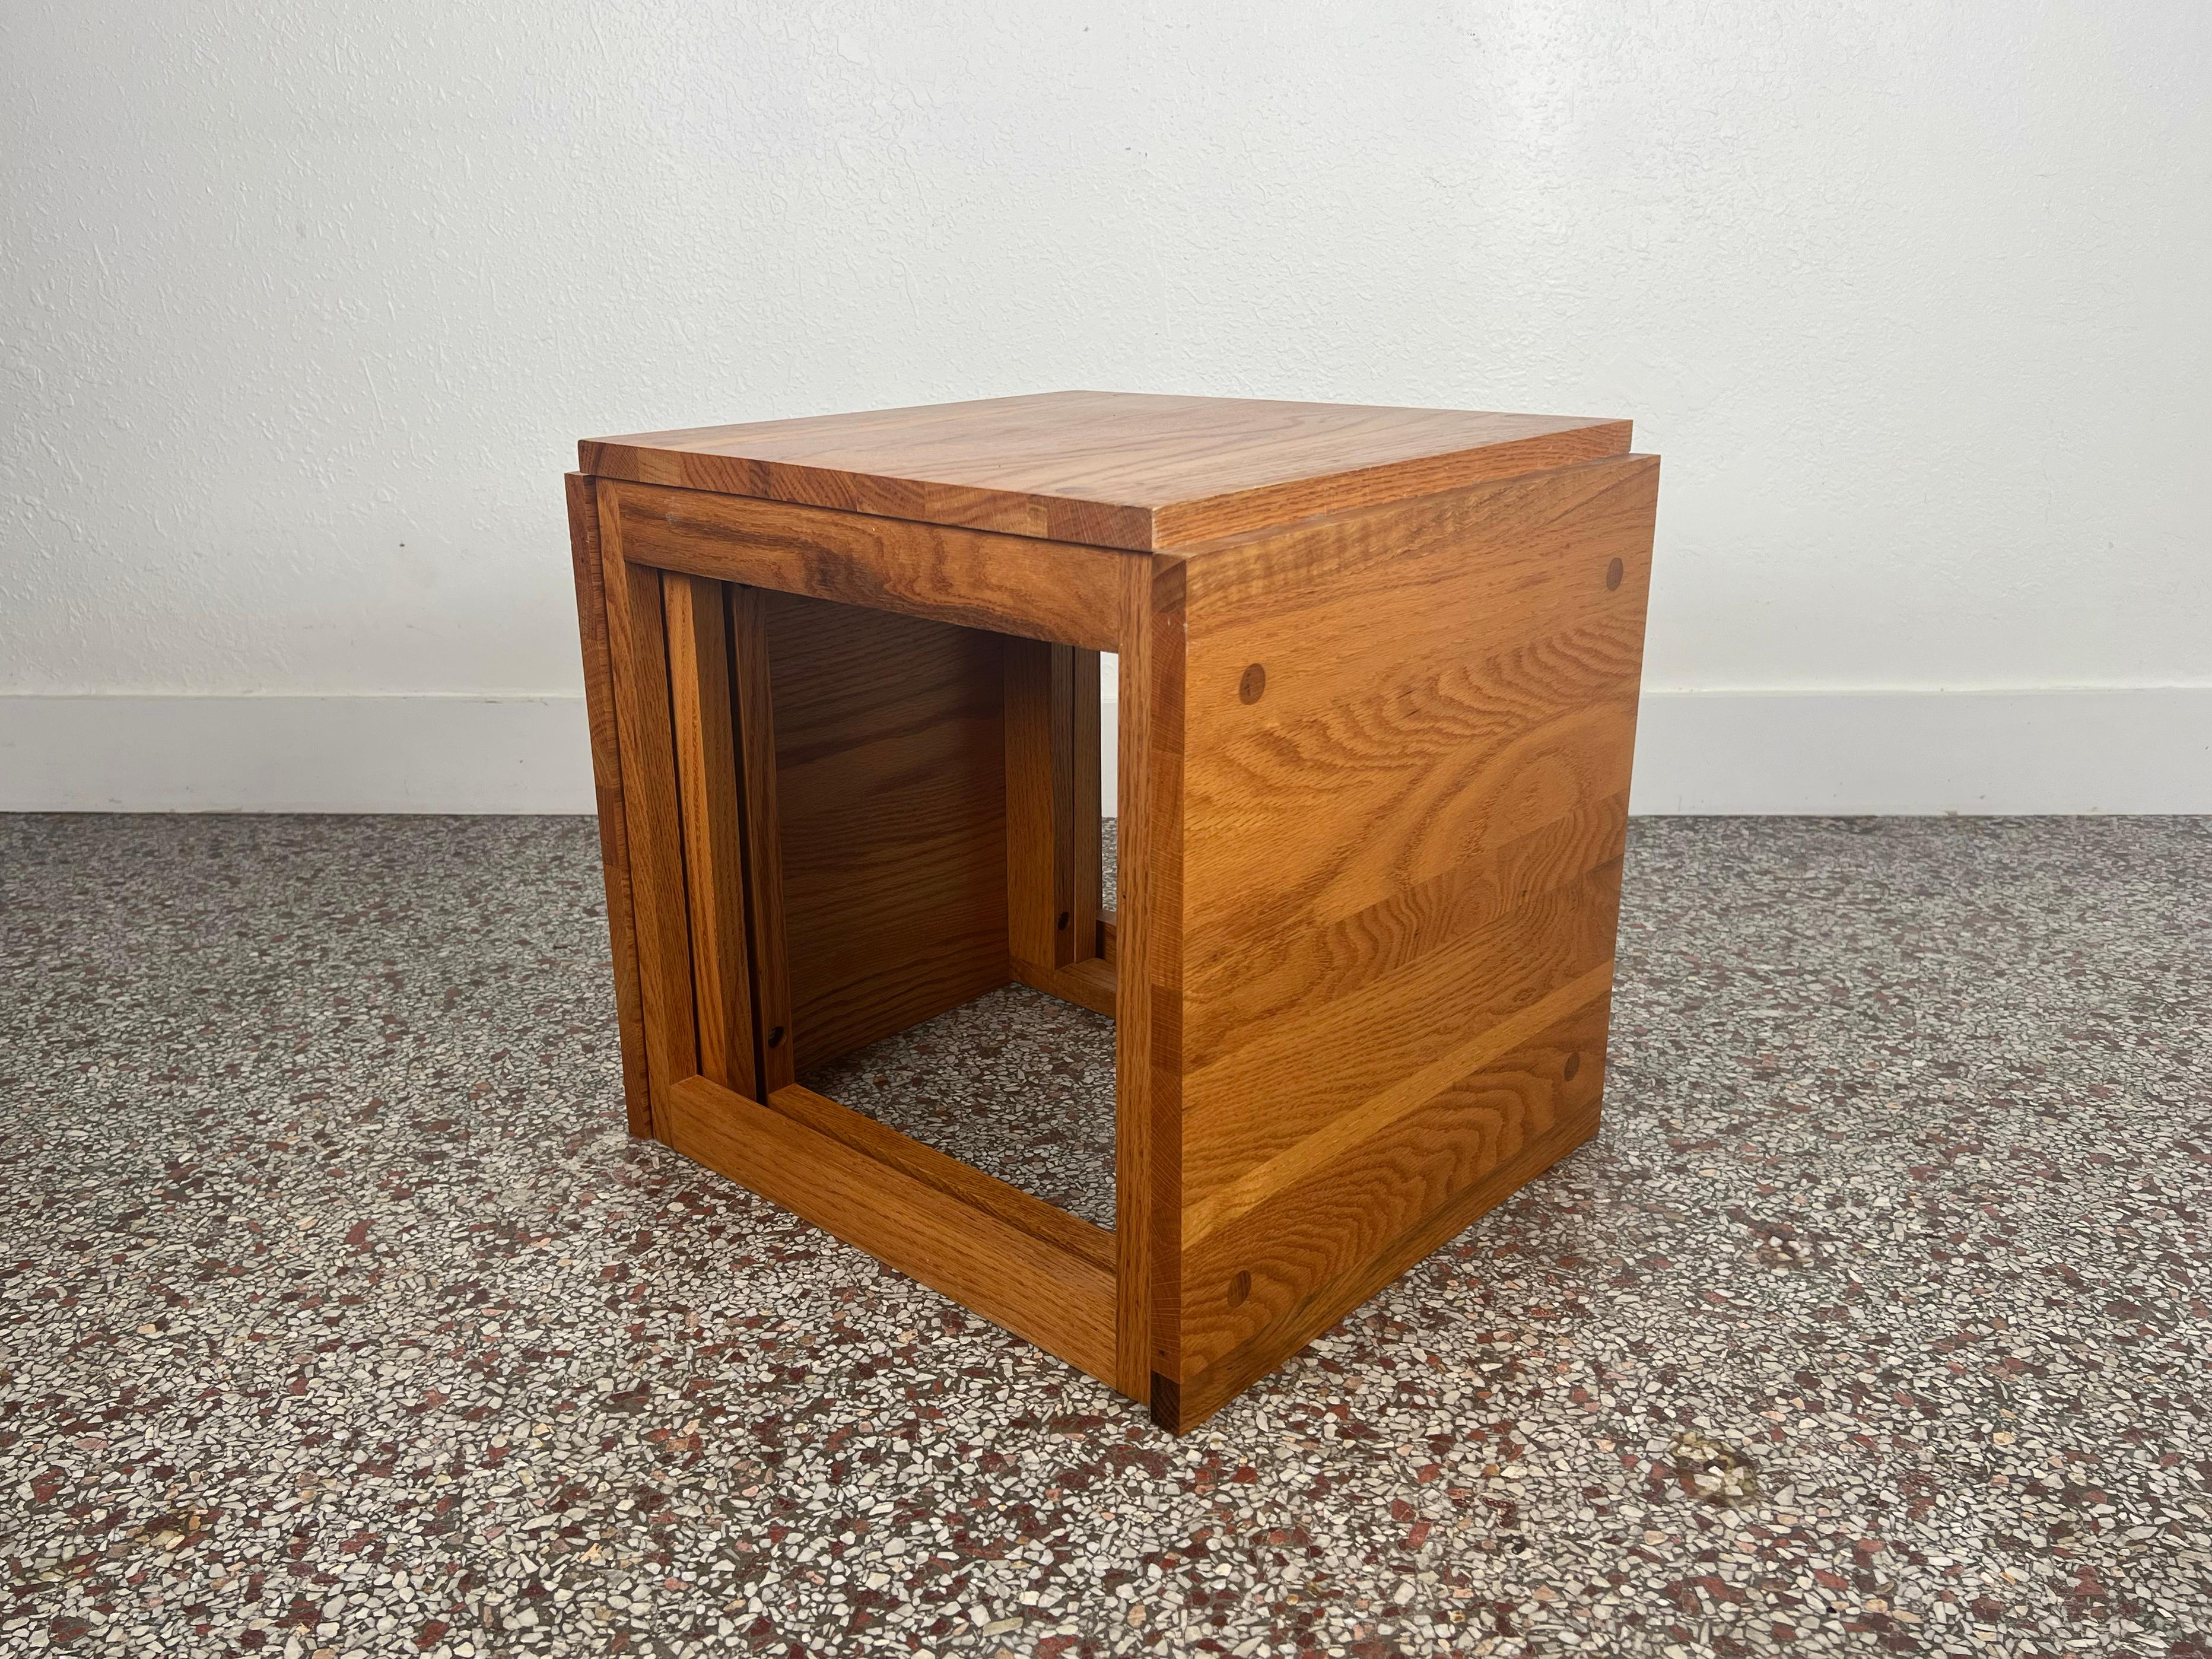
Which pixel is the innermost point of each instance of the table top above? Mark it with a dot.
(1114, 469)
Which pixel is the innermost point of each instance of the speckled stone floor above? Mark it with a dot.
(1018, 1084)
(338, 1316)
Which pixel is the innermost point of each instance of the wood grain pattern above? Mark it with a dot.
(1009, 584)
(1053, 870)
(637, 642)
(1338, 955)
(714, 860)
(1511, 670)
(1237, 1115)
(891, 777)
(1113, 469)
(1077, 763)
(1148, 1004)
(1060, 1298)
(1032, 802)
(751, 675)
(1338, 1140)
(606, 781)
(1189, 1401)
(1406, 735)
(1090, 984)
(1379, 674)
(1082, 1239)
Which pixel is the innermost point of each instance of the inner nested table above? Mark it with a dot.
(1378, 676)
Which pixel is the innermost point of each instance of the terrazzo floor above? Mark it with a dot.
(1016, 1083)
(337, 1315)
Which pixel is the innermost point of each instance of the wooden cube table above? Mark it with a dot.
(1377, 678)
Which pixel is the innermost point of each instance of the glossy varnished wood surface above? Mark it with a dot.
(1052, 831)
(714, 861)
(1148, 990)
(891, 806)
(637, 649)
(1013, 1259)
(1078, 842)
(760, 814)
(1406, 735)
(1114, 469)
(606, 779)
(1034, 899)
(1008, 584)
(1085, 1240)
(1372, 1260)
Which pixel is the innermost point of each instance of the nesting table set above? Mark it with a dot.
(1377, 697)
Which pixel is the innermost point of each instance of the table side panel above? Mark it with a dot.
(714, 860)
(637, 642)
(891, 790)
(1406, 749)
(1148, 969)
(607, 792)
(1182, 1405)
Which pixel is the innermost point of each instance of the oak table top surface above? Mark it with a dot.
(1121, 470)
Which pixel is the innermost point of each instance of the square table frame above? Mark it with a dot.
(1373, 774)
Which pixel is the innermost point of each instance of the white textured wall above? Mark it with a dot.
(306, 302)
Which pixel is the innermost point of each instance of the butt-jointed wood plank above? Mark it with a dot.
(1406, 752)
(1202, 1393)
(637, 641)
(713, 858)
(606, 780)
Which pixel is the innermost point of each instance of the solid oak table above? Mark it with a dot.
(1378, 675)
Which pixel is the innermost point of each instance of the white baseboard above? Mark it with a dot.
(280, 754)
(2116, 750)
(2102, 749)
